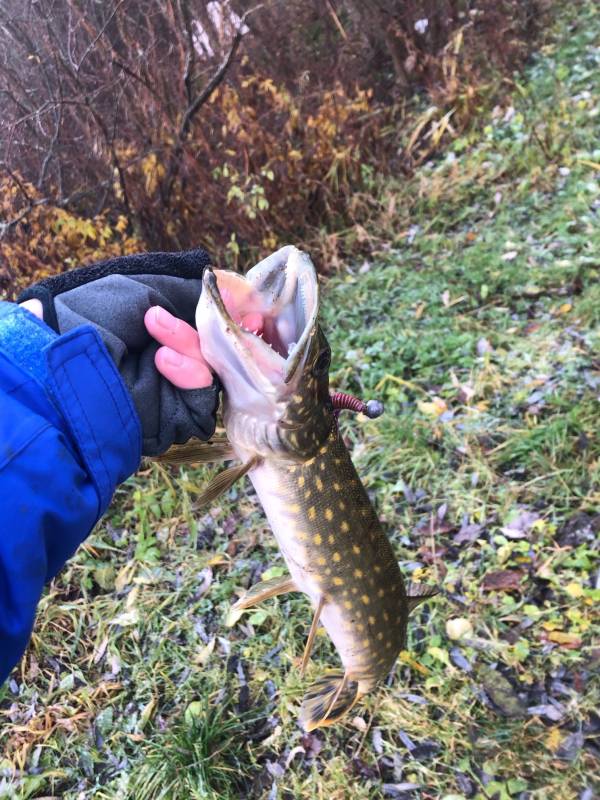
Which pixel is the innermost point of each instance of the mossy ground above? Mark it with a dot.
(477, 325)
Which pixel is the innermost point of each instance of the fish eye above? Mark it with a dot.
(322, 363)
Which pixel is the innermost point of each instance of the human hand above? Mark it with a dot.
(137, 303)
(113, 297)
(180, 358)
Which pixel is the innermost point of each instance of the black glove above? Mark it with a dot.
(113, 296)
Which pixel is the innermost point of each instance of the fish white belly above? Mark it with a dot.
(294, 541)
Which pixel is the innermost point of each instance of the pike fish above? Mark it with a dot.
(281, 423)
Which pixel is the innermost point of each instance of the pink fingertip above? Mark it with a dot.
(182, 371)
(165, 320)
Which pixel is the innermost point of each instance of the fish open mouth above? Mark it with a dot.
(283, 289)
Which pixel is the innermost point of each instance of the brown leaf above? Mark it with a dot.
(504, 580)
(570, 641)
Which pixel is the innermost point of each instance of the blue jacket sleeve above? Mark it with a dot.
(69, 433)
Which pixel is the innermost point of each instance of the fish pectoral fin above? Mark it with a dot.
(311, 635)
(327, 700)
(418, 592)
(264, 590)
(225, 480)
(198, 452)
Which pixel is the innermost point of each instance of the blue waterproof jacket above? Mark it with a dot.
(69, 433)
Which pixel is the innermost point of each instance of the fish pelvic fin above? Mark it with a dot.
(198, 452)
(418, 592)
(264, 590)
(225, 480)
(328, 700)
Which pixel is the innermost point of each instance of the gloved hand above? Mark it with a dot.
(116, 296)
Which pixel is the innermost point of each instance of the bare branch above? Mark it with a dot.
(199, 101)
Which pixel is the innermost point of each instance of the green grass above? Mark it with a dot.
(481, 336)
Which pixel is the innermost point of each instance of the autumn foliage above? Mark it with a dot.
(147, 125)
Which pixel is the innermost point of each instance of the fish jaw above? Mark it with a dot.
(259, 373)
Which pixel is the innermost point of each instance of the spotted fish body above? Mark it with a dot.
(280, 420)
(335, 549)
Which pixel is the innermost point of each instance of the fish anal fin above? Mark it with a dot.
(328, 700)
(225, 480)
(418, 592)
(198, 452)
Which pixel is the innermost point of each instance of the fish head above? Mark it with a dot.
(280, 377)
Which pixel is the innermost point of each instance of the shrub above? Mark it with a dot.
(113, 140)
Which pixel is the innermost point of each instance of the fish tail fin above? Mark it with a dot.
(327, 700)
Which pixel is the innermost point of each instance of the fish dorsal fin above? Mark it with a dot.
(225, 480)
(196, 451)
(418, 592)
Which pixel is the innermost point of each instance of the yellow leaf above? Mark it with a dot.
(435, 408)
(574, 589)
(564, 638)
(217, 560)
(553, 739)
(205, 653)
(132, 598)
(565, 308)
(147, 713)
(408, 659)
(551, 625)
(125, 576)
(121, 225)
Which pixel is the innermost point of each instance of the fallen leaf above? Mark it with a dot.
(399, 789)
(569, 640)
(574, 589)
(519, 525)
(127, 618)
(570, 746)
(406, 658)
(125, 575)
(217, 560)
(468, 533)
(435, 408)
(554, 712)
(205, 653)
(147, 713)
(504, 580)
(459, 660)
